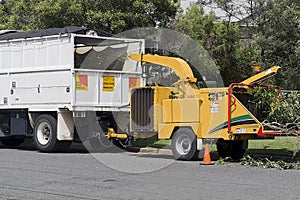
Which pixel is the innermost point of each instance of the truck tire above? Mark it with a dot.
(45, 135)
(12, 142)
(233, 149)
(184, 144)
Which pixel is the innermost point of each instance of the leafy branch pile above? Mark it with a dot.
(281, 110)
(262, 162)
(266, 163)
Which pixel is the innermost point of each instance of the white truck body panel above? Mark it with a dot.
(38, 74)
(95, 94)
(42, 74)
(51, 52)
(53, 89)
(40, 87)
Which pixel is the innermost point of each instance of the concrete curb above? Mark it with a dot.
(155, 151)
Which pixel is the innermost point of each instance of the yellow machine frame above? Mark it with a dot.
(209, 112)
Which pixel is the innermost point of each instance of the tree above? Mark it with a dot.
(273, 34)
(220, 39)
(278, 37)
(111, 16)
(2, 17)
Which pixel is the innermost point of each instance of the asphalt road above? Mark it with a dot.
(28, 174)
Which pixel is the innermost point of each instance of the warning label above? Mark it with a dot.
(81, 82)
(108, 83)
(214, 107)
(134, 82)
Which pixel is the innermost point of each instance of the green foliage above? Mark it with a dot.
(2, 17)
(262, 162)
(111, 16)
(270, 36)
(266, 163)
(278, 36)
(283, 109)
(225, 51)
(222, 161)
(197, 25)
(220, 39)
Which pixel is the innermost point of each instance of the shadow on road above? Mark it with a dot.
(274, 154)
(28, 145)
(271, 154)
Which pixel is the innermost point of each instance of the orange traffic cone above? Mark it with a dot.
(206, 159)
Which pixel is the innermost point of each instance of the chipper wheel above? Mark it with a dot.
(184, 144)
(234, 149)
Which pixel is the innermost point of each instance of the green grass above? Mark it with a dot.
(280, 143)
(162, 144)
(153, 143)
(280, 146)
(284, 146)
(289, 143)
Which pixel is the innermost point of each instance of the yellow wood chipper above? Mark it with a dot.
(188, 115)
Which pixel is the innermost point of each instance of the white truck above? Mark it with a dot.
(51, 77)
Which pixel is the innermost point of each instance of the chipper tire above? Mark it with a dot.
(184, 144)
(45, 135)
(233, 149)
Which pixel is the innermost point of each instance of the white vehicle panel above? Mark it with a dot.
(40, 87)
(39, 74)
(4, 90)
(37, 53)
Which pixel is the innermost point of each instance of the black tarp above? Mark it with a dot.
(47, 32)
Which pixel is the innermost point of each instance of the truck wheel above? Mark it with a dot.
(229, 148)
(12, 142)
(183, 144)
(45, 135)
